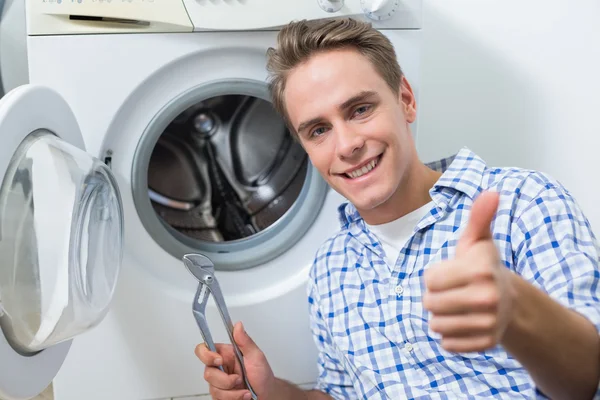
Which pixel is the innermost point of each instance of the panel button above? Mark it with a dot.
(331, 6)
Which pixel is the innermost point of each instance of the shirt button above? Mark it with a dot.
(399, 290)
(408, 347)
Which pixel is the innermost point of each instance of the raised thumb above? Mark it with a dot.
(478, 227)
(244, 342)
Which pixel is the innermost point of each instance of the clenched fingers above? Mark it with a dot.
(461, 325)
(482, 297)
(218, 394)
(224, 357)
(208, 358)
(479, 265)
(467, 344)
(220, 380)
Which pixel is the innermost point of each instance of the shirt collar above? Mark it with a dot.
(461, 173)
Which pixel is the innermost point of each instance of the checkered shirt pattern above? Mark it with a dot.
(367, 317)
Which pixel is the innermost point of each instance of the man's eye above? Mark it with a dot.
(318, 131)
(362, 110)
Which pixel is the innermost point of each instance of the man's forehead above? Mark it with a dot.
(321, 98)
(306, 103)
(327, 80)
(335, 64)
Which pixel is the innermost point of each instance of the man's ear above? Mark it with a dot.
(407, 99)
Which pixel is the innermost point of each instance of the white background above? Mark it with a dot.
(518, 82)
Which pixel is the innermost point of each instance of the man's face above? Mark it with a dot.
(354, 128)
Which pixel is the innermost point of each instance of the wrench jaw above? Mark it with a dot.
(200, 266)
(203, 269)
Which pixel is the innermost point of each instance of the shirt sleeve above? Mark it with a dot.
(333, 378)
(555, 249)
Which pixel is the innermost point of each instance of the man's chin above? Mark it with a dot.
(376, 197)
(363, 204)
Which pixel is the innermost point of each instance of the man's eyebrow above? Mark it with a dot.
(362, 96)
(308, 123)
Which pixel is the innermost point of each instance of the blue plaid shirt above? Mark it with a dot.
(367, 317)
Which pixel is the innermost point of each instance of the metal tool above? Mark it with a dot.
(204, 270)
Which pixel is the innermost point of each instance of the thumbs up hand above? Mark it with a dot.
(471, 297)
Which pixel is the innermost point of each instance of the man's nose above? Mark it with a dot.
(349, 141)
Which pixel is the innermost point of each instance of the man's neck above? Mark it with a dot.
(412, 194)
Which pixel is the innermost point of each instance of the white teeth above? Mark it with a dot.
(361, 171)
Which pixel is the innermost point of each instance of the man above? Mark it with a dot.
(445, 281)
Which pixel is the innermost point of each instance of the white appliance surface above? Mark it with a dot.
(117, 82)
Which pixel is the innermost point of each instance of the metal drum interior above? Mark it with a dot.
(225, 169)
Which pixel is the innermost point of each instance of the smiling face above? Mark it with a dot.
(354, 128)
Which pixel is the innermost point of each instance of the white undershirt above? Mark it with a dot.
(394, 235)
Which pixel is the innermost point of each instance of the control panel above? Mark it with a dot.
(267, 14)
(60, 17)
(47, 17)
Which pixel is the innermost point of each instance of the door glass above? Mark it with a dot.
(61, 239)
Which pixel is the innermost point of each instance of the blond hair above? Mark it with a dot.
(298, 41)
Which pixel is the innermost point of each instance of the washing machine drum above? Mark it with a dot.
(225, 169)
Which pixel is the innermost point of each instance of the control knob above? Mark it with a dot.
(378, 10)
(331, 6)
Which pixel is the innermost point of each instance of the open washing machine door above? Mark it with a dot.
(61, 230)
(13, 45)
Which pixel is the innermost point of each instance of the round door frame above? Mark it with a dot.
(234, 255)
(25, 376)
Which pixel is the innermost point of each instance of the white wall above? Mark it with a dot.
(518, 82)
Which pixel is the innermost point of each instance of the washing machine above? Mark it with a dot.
(159, 112)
